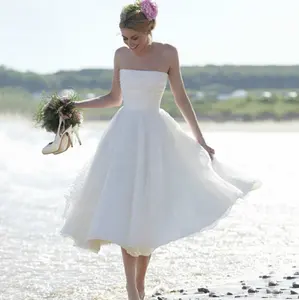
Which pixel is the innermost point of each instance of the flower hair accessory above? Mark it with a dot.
(149, 9)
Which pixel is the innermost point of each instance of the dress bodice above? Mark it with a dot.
(142, 89)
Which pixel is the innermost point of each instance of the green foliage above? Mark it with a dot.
(16, 100)
(220, 78)
(49, 110)
(129, 10)
(20, 92)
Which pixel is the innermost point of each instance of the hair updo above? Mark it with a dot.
(133, 18)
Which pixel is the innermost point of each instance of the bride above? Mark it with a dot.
(149, 183)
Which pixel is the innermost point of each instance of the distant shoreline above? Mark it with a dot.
(264, 126)
(207, 125)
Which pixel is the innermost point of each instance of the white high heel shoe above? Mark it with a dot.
(63, 140)
(68, 139)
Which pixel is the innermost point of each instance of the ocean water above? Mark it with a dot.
(261, 233)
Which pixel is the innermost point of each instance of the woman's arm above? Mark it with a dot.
(180, 95)
(113, 98)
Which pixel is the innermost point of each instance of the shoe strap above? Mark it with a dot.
(61, 121)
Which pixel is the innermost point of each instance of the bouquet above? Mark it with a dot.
(50, 110)
(59, 115)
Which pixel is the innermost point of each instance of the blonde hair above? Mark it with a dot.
(132, 18)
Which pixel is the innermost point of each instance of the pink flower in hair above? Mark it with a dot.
(149, 8)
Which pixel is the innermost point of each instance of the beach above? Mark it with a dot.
(259, 237)
(265, 286)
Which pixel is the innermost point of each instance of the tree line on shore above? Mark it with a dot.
(21, 91)
(227, 78)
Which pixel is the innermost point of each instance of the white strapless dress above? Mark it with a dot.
(149, 183)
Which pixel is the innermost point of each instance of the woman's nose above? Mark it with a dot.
(131, 43)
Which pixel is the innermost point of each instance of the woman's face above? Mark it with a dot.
(136, 41)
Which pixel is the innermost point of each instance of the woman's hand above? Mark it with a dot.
(210, 150)
(65, 100)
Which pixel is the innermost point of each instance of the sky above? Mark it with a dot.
(49, 35)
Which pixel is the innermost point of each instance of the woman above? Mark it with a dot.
(148, 183)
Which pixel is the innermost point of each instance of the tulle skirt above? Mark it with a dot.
(149, 183)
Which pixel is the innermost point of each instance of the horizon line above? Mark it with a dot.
(111, 68)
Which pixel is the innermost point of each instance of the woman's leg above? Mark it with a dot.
(130, 264)
(142, 264)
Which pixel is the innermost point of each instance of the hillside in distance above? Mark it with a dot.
(223, 79)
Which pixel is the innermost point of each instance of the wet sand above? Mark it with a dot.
(265, 286)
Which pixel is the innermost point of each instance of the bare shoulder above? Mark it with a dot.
(120, 55)
(120, 52)
(168, 50)
(169, 53)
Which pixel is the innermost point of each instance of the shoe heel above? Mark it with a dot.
(75, 130)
